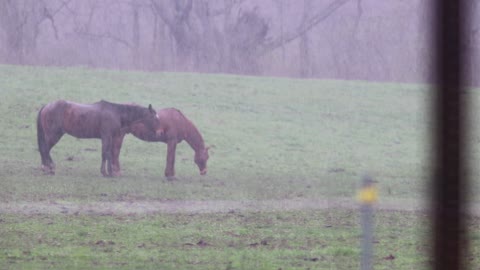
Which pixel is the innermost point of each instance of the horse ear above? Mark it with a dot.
(150, 108)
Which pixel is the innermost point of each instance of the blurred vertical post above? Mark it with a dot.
(367, 196)
(449, 173)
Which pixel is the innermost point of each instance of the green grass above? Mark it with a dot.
(253, 240)
(274, 139)
(287, 240)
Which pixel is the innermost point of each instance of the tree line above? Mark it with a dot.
(345, 39)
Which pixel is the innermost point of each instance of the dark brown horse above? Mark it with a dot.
(175, 128)
(103, 120)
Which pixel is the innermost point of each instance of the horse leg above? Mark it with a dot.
(48, 166)
(106, 155)
(170, 169)
(117, 145)
(46, 160)
(48, 136)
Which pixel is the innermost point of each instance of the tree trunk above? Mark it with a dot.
(305, 53)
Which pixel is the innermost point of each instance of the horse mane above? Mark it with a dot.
(193, 136)
(127, 112)
(120, 107)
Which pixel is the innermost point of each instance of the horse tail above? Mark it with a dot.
(40, 132)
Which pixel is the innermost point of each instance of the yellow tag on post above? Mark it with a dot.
(368, 194)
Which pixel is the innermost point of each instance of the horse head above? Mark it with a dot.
(201, 158)
(151, 121)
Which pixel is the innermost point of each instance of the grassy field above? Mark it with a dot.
(273, 140)
(287, 240)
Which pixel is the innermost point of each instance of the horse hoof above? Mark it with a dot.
(48, 170)
(171, 178)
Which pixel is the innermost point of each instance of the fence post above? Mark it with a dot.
(367, 196)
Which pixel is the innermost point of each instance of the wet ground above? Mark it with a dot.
(204, 206)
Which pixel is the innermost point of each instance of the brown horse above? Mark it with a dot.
(103, 120)
(175, 128)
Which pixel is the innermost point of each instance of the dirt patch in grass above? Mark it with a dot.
(198, 206)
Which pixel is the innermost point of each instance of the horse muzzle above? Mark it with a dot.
(203, 172)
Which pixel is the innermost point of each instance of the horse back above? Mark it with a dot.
(174, 123)
(81, 120)
(51, 116)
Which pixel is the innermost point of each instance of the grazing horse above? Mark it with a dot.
(175, 128)
(103, 120)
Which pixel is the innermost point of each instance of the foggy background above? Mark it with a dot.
(342, 39)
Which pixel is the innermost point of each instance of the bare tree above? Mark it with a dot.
(305, 27)
(177, 16)
(305, 53)
(20, 20)
(136, 32)
(201, 44)
(280, 6)
(274, 37)
(245, 38)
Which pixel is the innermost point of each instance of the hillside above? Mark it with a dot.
(272, 138)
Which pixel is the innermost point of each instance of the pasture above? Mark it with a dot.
(287, 156)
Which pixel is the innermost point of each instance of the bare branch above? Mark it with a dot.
(63, 5)
(321, 16)
(47, 15)
(161, 10)
(106, 36)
